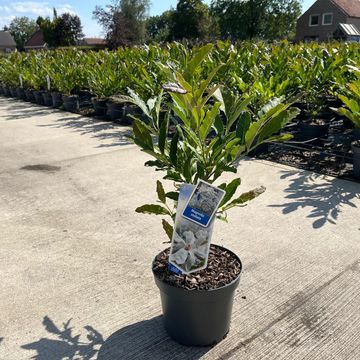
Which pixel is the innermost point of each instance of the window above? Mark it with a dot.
(314, 20)
(327, 19)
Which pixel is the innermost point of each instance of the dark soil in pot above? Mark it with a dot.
(115, 111)
(56, 99)
(47, 98)
(29, 95)
(39, 97)
(21, 93)
(100, 106)
(71, 103)
(197, 307)
(355, 147)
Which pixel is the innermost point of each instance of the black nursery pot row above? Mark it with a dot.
(102, 107)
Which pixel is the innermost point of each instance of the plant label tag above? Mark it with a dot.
(203, 203)
(174, 269)
(190, 244)
(48, 82)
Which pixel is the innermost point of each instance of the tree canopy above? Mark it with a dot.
(21, 28)
(123, 21)
(64, 30)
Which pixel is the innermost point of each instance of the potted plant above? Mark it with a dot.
(352, 112)
(104, 81)
(314, 126)
(197, 307)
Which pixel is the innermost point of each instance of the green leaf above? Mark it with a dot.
(157, 163)
(245, 197)
(243, 126)
(163, 133)
(152, 209)
(209, 121)
(160, 191)
(142, 135)
(230, 190)
(173, 195)
(168, 229)
(173, 175)
(173, 148)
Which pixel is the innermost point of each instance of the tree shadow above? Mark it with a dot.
(142, 340)
(325, 198)
(99, 129)
(147, 340)
(64, 345)
(18, 109)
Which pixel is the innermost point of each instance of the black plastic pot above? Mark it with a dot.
(309, 131)
(21, 93)
(115, 111)
(38, 94)
(71, 103)
(260, 149)
(356, 133)
(99, 105)
(13, 92)
(6, 91)
(56, 99)
(355, 147)
(197, 317)
(29, 95)
(47, 98)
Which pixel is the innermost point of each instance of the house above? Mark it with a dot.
(36, 41)
(328, 19)
(7, 42)
(98, 43)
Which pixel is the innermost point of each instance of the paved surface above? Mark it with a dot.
(75, 258)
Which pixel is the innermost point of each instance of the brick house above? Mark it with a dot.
(36, 41)
(324, 18)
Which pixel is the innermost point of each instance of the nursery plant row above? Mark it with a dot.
(316, 78)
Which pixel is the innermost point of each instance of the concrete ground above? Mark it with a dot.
(75, 258)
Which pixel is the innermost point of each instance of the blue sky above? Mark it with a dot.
(83, 8)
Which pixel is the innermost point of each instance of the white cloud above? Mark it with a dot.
(34, 9)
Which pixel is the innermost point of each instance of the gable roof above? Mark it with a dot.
(6, 39)
(94, 41)
(349, 7)
(36, 40)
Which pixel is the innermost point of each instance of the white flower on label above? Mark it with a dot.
(189, 249)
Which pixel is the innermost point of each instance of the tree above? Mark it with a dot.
(264, 19)
(64, 30)
(281, 18)
(191, 20)
(68, 29)
(158, 28)
(123, 21)
(21, 28)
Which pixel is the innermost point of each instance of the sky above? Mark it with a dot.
(82, 8)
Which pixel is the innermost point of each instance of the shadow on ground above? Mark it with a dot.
(142, 340)
(18, 109)
(147, 340)
(98, 129)
(325, 199)
(64, 345)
